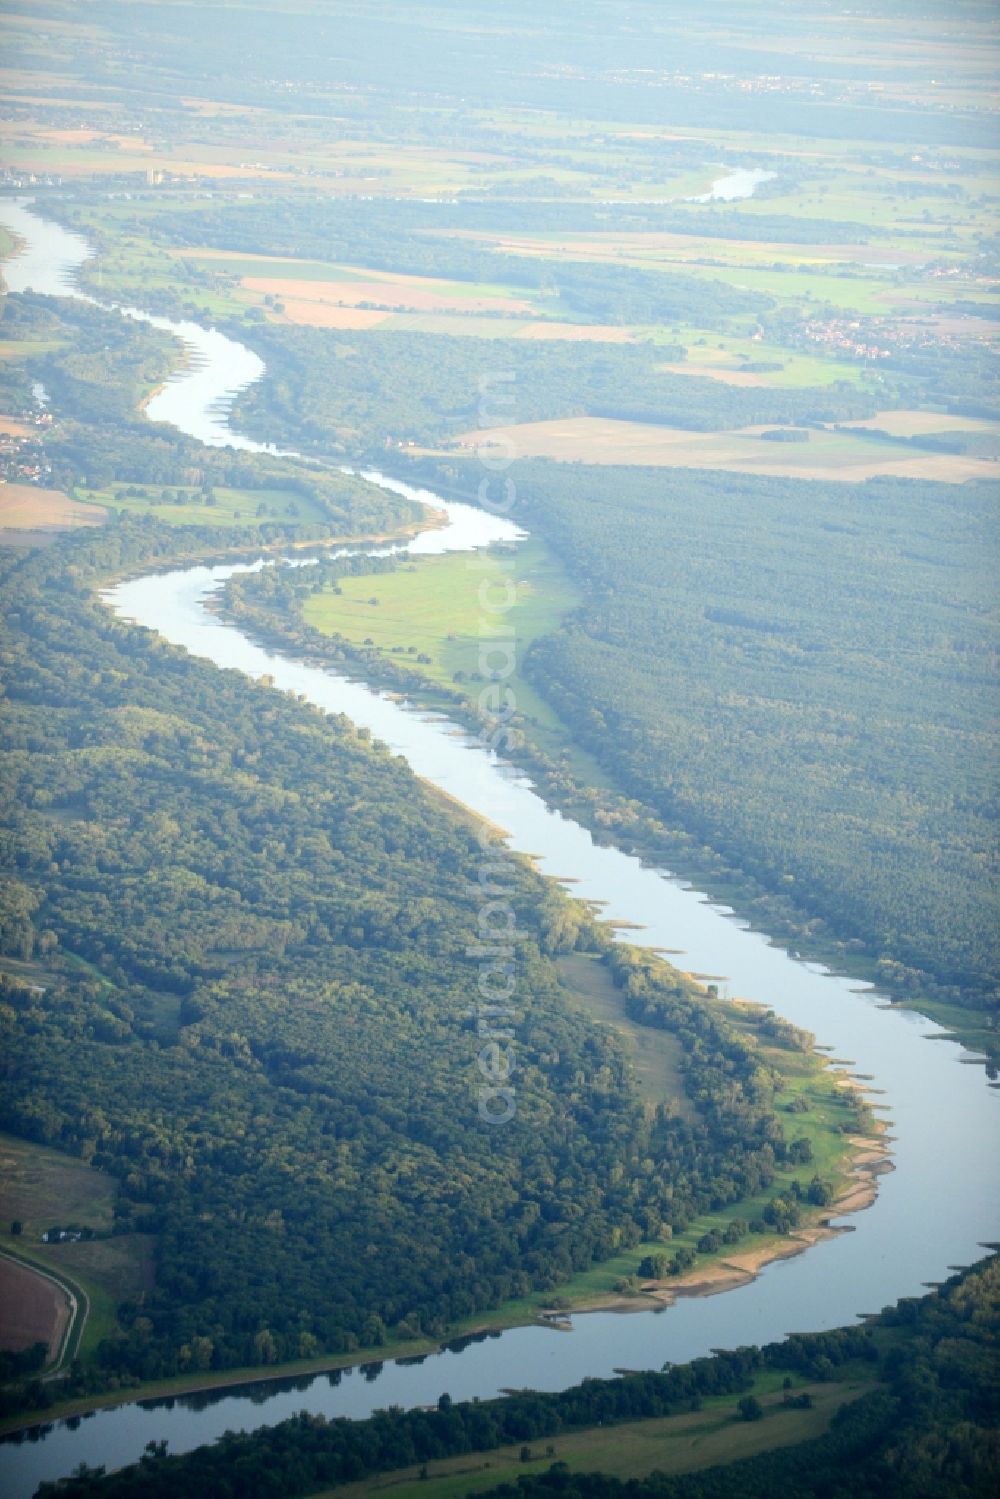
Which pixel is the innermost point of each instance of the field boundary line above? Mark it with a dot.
(79, 1305)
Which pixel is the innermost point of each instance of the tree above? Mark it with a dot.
(750, 1408)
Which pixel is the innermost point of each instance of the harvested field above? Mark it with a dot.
(715, 372)
(80, 137)
(24, 506)
(826, 455)
(32, 1309)
(604, 333)
(10, 428)
(213, 107)
(671, 246)
(323, 315)
(415, 293)
(917, 423)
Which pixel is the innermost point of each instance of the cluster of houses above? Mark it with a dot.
(875, 339)
(69, 1235)
(22, 457)
(852, 339)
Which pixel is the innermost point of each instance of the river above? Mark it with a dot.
(933, 1211)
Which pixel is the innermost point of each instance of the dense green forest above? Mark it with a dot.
(793, 676)
(798, 675)
(253, 929)
(927, 1429)
(236, 935)
(411, 236)
(327, 389)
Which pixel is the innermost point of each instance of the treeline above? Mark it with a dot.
(95, 379)
(394, 237)
(796, 675)
(326, 390)
(107, 363)
(352, 226)
(256, 1011)
(927, 1429)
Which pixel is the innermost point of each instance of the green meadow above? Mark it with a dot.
(428, 613)
(666, 1444)
(185, 505)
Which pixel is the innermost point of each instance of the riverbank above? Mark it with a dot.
(727, 1274)
(859, 1161)
(868, 1161)
(887, 1262)
(570, 779)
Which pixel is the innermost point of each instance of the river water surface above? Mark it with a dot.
(933, 1211)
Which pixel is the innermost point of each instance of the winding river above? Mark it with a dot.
(933, 1211)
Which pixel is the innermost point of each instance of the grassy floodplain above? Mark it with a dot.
(186, 505)
(670, 1444)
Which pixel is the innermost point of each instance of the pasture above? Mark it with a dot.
(666, 1444)
(41, 1187)
(431, 609)
(185, 505)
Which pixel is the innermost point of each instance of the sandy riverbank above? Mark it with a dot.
(869, 1160)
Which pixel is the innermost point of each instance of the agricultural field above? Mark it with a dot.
(758, 365)
(44, 1189)
(32, 1309)
(926, 424)
(26, 507)
(825, 454)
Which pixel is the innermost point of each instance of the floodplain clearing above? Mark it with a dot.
(634, 1449)
(39, 1187)
(186, 505)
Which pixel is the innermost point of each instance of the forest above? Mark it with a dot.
(329, 390)
(253, 926)
(928, 1427)
(237, 934)
(795, 674)
(102, 366)
(807, 721)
